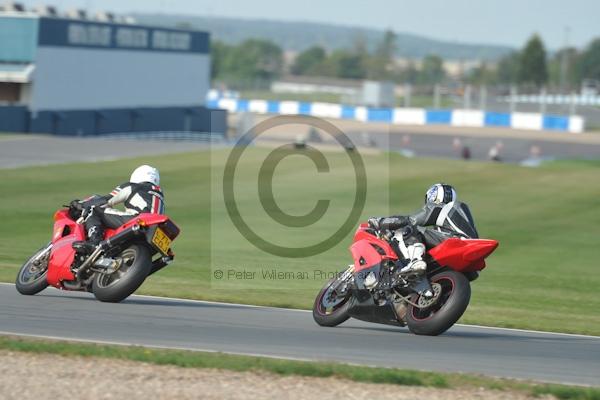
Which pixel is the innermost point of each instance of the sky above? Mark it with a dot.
(505, 22)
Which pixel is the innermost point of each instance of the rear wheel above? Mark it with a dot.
(452, 293)
(136, 263)
(333, 301)
(31, 278)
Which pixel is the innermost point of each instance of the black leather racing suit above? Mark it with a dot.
(137, 198)
(436, 223)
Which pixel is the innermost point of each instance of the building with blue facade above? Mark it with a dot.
(83, 77)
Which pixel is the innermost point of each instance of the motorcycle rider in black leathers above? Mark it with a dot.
(442, 217)
(142, 194)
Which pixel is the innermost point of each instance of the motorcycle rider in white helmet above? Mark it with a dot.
(142, 194)
(443, 215)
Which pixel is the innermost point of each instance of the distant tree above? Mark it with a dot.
(380, 63)
(218, 54)
(532, 63)
(359, 44)
(408, 74)
(347, 64)
(481, 75)
(567, 59)
(252, 62)
(308, 62)
(388, 46)
(432, 70)
(507, 71)
(589, 64)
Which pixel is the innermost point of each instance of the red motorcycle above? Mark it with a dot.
(116, 269)
(374, 289)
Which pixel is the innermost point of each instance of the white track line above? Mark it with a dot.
(201, 350)
(260, 355)
(175, 299)
(153, 346)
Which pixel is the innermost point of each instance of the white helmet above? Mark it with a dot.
(145, 173)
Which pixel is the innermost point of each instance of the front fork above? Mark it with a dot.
(41, 255)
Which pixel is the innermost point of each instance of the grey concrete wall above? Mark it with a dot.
(80, 78)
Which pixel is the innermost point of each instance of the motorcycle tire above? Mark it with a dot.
(443, 313)
(116, 287)
(29, 281)
(337, 316)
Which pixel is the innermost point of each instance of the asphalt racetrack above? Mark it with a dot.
(30, 150)
(197, 325)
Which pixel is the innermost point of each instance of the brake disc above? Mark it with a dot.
(426, 302)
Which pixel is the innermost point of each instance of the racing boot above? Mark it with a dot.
(416, 265)
(95, 235)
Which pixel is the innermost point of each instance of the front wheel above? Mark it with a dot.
(435, 316)
(333, 301)
(31, 278)
(136, 264)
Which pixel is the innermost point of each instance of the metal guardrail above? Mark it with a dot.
(207, 137)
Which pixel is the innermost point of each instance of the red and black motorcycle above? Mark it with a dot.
(374, 289)
(116, 269)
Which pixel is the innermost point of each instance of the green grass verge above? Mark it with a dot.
(193, 359)
(543, 276)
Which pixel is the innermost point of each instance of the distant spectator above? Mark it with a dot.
(534, 159)
(405, 149)
(367, 140)
(466, 153)
(300, 142)
(535, 151)
(457, 144)
(405, 140)
(494, 153)
(313, 135)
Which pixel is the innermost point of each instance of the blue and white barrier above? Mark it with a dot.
(406, 116)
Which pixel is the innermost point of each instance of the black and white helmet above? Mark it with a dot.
(440, 193)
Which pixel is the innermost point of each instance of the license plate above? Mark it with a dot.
(162, 241)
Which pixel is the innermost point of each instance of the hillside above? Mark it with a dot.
(297, 36)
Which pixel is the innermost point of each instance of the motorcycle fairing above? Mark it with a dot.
(463, 255)
(66, 231)
(147, 219)
(368, 251)
(365, 309)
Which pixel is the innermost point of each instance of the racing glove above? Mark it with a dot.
(374, 222)
(393, 223)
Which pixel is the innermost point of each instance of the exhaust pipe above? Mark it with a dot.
(121, 237)
(73, 286)
(116, 240)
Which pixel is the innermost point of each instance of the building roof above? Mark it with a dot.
(16, 73)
